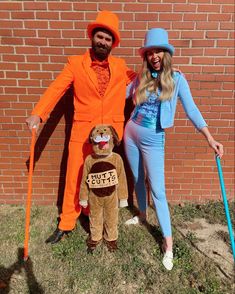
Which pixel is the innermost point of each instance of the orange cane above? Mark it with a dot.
(28, 203)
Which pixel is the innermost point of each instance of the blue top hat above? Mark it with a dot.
(156, 38)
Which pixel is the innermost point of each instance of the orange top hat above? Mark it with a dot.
(107, 20)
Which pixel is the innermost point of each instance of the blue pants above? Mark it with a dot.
(144, 149)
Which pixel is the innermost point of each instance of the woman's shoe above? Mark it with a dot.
(168, 260)
(136, 220)
(133, 221)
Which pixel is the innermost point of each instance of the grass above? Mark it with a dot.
(212, 211)
(135, 268)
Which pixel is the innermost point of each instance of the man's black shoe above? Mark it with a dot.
(57, 236)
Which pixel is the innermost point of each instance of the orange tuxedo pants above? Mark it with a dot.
(71, 208)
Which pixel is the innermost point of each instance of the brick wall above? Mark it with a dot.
(37, 37)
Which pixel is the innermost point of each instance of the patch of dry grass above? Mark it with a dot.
(67, 268)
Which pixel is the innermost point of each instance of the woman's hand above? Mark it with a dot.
(218, 147)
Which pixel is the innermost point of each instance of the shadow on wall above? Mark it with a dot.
(16, 268)
(63, 108)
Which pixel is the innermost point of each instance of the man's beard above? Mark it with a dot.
(101, 52)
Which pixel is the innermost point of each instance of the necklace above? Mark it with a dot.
(154, 74)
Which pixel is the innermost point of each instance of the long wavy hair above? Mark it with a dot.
(165, 81)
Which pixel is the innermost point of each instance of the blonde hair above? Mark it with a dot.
(146, 82)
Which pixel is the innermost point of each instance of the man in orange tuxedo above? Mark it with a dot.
(99, 81)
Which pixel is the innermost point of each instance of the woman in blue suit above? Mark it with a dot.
(155, 92)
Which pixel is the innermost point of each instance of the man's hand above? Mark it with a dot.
(33, 122)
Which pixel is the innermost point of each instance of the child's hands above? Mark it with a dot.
(123, 203)
(83, 203)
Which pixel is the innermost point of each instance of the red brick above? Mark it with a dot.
(12, 41)
(6, 5)
(34, 6)
(73, 34)
(22, 15)
(209, 8)
(214, 69)
(47, 15)
(61, 24)
(6, 32)
(185, 8)
(36, 42)
(27, 50)
(39, 24)
(110, 6)
(223, 2)
(14, 58)
(219, 17)
(59, 6)
(217, 35)
(202, 60)
(228, 9)
(28, 66)
(183, 25)
(227, 26)
(49, 33)
(170, 17)
(11, 24)
(160, 7)
(192, 52)
(195, 17)
(60, 42)
(37, 58)
(212, 25)
(145, 16)
(224, 61)
(24, 33)
(203, 43)
(72, 16)
(135, 7)
(138, 26)
(85, 6)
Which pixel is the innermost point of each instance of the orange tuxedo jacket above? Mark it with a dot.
(90, 108)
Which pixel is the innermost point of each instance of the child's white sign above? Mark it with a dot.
(102, 179)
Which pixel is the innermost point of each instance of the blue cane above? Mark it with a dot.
(226, 208)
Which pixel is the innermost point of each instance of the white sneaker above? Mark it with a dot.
(168, 260)
(132, 221)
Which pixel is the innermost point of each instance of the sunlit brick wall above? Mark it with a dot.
(37, 37)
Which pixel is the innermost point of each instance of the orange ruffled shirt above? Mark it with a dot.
(101, 68)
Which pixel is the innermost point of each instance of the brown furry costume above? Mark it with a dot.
(104, 186)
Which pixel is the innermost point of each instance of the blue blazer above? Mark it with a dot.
(168, 107)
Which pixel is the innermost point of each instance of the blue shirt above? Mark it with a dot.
(147, 114)
(168, 107)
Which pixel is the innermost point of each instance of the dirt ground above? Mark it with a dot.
(212, 241)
